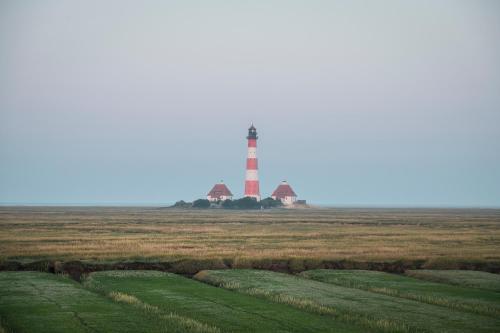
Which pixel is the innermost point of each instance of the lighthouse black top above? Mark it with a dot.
(252, 133)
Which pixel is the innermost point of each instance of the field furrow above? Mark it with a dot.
(35, 302)
(454, 297)
(370, 309)
(170, 294)
(472, 279)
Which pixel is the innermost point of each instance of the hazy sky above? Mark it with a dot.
(356, 102)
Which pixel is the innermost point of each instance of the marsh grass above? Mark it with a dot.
(471, 279)
(160, 293)
(459, 298)
(371, 310)
(187, 324)
(345, 315)
(453, 304)
(247, 238)
(382, 325)
(35, 302)
(2, 329)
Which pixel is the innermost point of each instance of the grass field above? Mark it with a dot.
(481, 280)
(361, 307)
(40, 302)
(77, 241)
(454, 297)
(220, 309)
(239, 301)
(102, 234)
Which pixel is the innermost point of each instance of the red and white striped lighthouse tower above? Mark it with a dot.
(252, 175)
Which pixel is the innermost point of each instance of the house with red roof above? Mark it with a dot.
(219, 192)
(285, 193)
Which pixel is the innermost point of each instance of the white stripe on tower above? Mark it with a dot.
(252, 176)
(252, 152)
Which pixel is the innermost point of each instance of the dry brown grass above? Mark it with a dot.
(331, 234)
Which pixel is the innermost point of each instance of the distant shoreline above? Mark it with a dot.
(168, 205)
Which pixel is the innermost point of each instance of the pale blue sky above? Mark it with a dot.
(393, 103)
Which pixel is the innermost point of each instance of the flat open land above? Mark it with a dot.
(215, 307)
(476, 299)
(244, 300)
(100, 234)
(42, 302)
(124, 259)
(373, 310)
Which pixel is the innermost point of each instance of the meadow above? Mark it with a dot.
(105, 234)
(480, 280)
(466, 299)
(217, 301)
(373, 310)
(112, 270)
(42, 302)
(220, 309)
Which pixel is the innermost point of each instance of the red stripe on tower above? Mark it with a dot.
(252, 164)
(252, 175)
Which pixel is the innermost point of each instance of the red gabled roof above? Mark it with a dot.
(283, 190)
(219, 190)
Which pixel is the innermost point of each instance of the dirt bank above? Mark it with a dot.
(75, 269)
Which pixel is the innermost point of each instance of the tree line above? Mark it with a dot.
(243, 203)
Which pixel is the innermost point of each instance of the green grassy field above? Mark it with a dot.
(362, 307)
(223, 310)
(474, 279)
(242, 301)
(225, 246)
(40, 302)
(455, 297)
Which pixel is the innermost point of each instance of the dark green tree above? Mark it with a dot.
(201, 203)
(270, 203)
(246, 203)
(183, 204)
(227, 204)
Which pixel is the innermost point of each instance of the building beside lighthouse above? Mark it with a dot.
(285, 194)
(219, 192)
(252, 175)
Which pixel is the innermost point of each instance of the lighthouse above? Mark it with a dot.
(252, 175)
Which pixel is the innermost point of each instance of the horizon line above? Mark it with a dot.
(167, 204)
